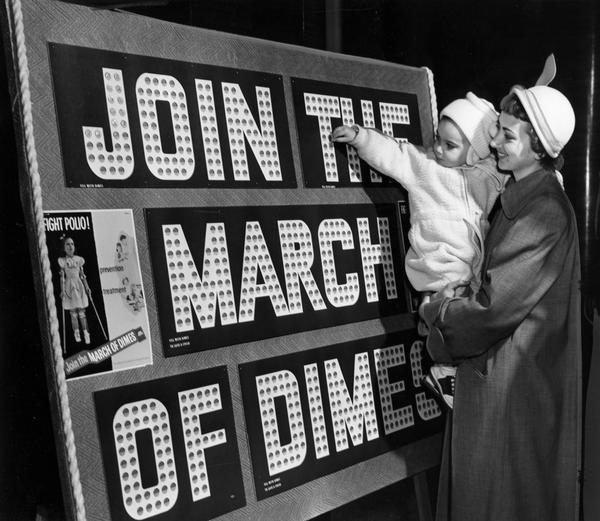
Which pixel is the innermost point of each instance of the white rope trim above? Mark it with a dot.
(32, 167)
(433, 98)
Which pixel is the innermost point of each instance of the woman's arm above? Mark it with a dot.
(525, 264)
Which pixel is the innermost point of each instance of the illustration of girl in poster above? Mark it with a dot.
(74, 289)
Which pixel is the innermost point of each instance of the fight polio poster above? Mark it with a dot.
(227, 326)
(98, 290)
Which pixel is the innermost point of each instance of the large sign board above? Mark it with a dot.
(227, 325)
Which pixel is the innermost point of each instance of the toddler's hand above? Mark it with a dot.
(343, 134)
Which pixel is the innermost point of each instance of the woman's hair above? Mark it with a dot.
(511, 105)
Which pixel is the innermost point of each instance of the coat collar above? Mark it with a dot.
(517, 194)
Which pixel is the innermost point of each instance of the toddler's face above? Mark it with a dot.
(451, 146)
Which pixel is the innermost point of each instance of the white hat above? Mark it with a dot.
(476, 118)
(549, 111)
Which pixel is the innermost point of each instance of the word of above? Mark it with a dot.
(169, 446)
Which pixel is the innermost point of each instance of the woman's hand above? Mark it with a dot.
(344, 134)
(458, 288)
(453, 289)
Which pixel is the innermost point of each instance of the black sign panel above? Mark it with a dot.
(312, 413)
(229, 275)
(169, 448)
(321, 106)
(136, 121)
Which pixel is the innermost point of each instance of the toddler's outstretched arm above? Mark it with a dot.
(398, 161)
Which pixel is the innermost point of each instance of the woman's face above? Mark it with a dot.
(513, 146)
(69, 247)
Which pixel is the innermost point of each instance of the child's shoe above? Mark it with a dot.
(86, 337)
(77, 335)
(440, 381)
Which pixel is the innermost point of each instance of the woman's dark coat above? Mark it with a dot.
(513, 451)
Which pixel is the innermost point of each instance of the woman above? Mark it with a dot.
(512, 448)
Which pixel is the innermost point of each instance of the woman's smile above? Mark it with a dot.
(512, 144)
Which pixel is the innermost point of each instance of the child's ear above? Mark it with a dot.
(472, 156)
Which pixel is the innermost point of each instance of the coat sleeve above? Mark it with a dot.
(525, 264)
(400, 161)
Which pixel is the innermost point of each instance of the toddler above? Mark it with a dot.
(451, 191)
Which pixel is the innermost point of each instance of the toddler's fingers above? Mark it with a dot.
(340, 134)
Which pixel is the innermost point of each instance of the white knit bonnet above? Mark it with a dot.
(476, 118)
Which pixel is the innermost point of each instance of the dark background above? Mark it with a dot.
(478, 45)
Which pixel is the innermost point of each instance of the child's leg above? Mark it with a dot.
(84, 325)
(75, 324)
(82, 319)
(444, 369)
(440, 380)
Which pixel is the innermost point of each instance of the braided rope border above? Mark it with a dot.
(38, 214)
(433, 98)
